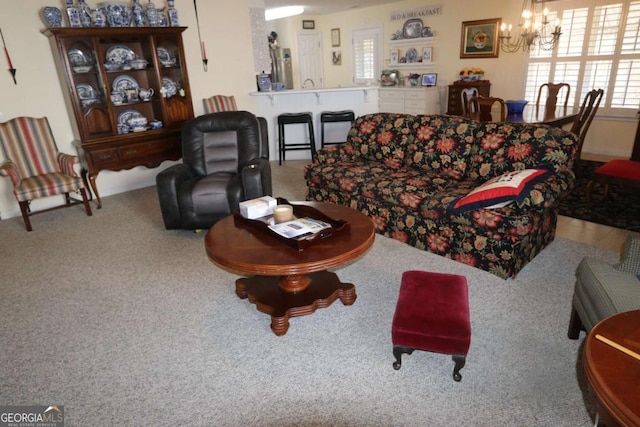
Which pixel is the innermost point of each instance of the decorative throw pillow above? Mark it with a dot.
(500, 190)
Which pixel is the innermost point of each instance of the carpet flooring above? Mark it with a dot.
(127, 324)
(620, 209)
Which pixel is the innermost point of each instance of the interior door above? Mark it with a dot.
(310, 60)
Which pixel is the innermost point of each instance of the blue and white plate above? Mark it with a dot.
(124, 117)
(170, 87)
(120, 54)
(78, 58)
(165, 56)
(86, 91)
(124, 82)
(411, 55)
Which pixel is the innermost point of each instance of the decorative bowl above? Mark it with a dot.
(278, 86)
(516, 107)
(471, 77)
(83, 68)
(139, 64)
(111, 66)
(118, 14)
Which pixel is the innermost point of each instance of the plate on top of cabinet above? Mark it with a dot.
(120, 54)
(124, 82)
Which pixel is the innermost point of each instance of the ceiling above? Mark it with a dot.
(323, 7)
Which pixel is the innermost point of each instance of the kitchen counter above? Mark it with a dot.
(361, 99)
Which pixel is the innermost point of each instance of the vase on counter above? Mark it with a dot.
(153, 18)
(98, 17)
(139, 18)
(264, 82)
(73, 13)
(173, 14)
(85, 13)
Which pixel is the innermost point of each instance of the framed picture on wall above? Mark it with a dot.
(335, 37)
(336, 57)
(426, 54)
(479, 39)
(394, 54)
(308, 24)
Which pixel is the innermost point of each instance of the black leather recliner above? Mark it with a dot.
(225, 159)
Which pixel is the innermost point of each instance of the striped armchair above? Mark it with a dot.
(218, 103)
(35, 166)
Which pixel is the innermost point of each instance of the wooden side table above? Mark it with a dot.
(614, 377)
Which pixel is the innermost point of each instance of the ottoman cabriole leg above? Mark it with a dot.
(432, 314)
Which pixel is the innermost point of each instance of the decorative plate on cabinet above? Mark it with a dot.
(124, 82)
(411, 55)
(124, 117)
(412, 28)
(86, 91)
(120, 54)
(170, 87)
(166, 58)
(79, 59)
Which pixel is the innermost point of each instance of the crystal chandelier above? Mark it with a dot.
(534, 30)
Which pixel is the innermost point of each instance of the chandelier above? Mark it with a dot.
(534, 30)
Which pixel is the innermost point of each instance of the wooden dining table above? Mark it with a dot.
(557, 117)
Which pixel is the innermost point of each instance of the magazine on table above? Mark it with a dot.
(299, 228)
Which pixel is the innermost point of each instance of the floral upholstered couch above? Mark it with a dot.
(408, 173)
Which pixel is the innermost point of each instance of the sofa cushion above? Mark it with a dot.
(441, 144)
(505, 147)
(382, 137)
(501, 190)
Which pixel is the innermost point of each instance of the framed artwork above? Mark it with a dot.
(394, 54)
(336, 57)
(335, 37)
(308, 24)
(429, 79)
(479, 39)
(426, 54)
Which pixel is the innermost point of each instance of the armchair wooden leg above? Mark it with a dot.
(24, 208)
(575, 325)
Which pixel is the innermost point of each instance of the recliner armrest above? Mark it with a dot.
(256, 178)
(168, 182)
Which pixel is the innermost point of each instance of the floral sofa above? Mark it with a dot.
(408, 172)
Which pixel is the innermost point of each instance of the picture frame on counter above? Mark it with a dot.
(335, 37)
(427, 53)
(394, 55)
(308, 24)
(429, 79)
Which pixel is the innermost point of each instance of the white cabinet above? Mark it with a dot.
(410, 100)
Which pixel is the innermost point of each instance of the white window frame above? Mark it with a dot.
(586, 68)
(373, 69)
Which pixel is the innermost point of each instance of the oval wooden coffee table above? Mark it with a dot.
(614, 376)
(287, 282)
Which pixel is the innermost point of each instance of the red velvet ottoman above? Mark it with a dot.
(432, 314)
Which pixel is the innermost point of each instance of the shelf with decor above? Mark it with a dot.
(415, 41)
(128, 91)
(411, 65)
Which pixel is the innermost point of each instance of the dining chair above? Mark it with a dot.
(218, 103)
(480, 108)
(36, 167)
(586, 114)
(551, 95)
(466, 94)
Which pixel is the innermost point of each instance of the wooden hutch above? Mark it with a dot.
(454, 100)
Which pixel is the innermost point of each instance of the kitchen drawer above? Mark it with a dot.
(414, 105)
(419, 95)
(390, 94)
(146, 149)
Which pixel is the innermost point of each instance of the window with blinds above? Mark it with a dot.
(599, 48)
(366, 48)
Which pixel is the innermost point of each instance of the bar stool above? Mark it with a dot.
(295, 118)
(334, 117)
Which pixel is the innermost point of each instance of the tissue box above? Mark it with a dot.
(256, 208)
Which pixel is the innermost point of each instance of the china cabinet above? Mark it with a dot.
(454, 104)
(102, 86)
(420, 100)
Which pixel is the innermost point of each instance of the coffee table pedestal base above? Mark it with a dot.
(271, 296)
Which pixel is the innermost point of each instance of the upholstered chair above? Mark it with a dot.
(225, 160)
(603, 290)
(480, 108)
(218, 103)
(36, 167)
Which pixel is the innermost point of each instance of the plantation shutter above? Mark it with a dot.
(366, 46)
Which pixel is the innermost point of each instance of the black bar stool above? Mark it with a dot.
(295, 118)
(334, 117)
